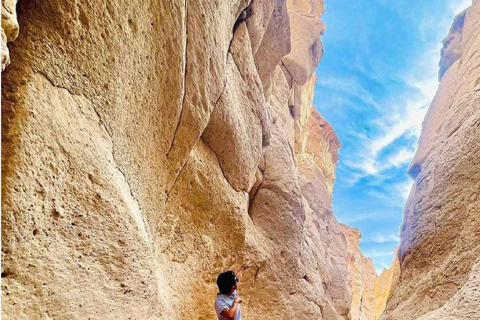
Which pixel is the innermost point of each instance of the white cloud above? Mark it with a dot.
(459, 5)
(353, 219)
(404, 188)
(405, 115)
(376, 254)
(403, 118)
(349, 179)
(402, 157)
(351, 87)
(395, 194)
(382, 238)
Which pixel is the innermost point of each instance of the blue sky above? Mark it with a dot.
(375, 82)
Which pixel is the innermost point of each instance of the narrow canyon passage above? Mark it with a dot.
(148, 146)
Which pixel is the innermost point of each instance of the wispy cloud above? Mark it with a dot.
(401, 119)
(394, 194)
(376, 253)
(373, 216)
(458, 6)
(350, 86)
(382, 238)
(403, 188)
(405, 117)
(375, 85)
(349, 179)
(402, 157)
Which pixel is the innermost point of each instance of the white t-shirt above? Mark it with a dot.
(223, 302)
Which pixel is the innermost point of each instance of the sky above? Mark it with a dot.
(375, 83)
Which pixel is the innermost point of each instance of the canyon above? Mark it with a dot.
(149, 146)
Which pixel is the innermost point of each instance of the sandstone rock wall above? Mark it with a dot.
(148, 146)
(361, 277)
(9, 28)
(440, 237)
(385, 284)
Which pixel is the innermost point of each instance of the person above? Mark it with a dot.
(227, 303)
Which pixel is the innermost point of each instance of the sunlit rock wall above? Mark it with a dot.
(361, 277)
(440, 238)
(148, 146)
(325, 254)
(385, 284)
(9, 28)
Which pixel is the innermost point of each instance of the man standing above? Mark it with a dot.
(227, 303)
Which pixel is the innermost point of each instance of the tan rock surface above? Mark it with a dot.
(9, 28)
(268, 22)
(149, 146)
(385, 284)
(464, 304)
(324, 240)
(307, 48)
(235, 129)
(361, 277)
(314, 7)
(440, 238)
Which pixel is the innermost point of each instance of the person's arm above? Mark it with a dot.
(245, 266)
(231, 312)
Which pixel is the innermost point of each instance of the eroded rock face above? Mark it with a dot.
(9, 28)
(452, 44)
(324, 239)
(441, 231)
(464, 304)
(385, 284)
(149, 146)
(306, 32)
(361, 277)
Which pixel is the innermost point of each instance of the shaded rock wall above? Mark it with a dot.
(149, 146)
(452, 44)
(440, 236)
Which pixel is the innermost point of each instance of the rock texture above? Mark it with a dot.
(148, 146)
(440, 237)
(9, 28)
(385, 284)
(464, 304)
(324, 253)
(362, 277)
(452, 44)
